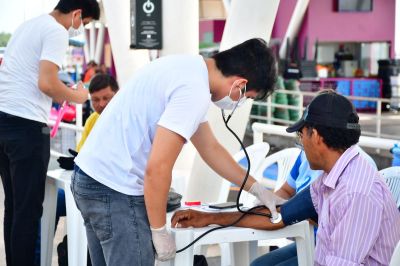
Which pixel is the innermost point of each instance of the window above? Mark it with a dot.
(354, 5)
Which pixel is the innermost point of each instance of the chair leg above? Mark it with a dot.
(185, 257)
(77, 241)
(241, 253)
(47, 222)
(227, 258)
(302, 251)
(253, 250)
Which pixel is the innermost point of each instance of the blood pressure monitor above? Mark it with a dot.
(298, 208)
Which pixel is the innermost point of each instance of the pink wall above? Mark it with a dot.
(216, 27)
(326, 25)
(204, 27)
(323, 23)
(219, 26)
(282, 19)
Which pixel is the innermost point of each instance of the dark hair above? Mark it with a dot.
(337, 138)
(101, 81)
(252, 60)
(90, 8)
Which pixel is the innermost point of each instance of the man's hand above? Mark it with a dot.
(164, 243)
(67, 163)
(267, 197)
(187, 218)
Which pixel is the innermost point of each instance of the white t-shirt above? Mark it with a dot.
(172, 92)
(41, 38)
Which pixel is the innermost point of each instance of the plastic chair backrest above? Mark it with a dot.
(392, 179)
(285, 160)
(395, 260)
(257, 152)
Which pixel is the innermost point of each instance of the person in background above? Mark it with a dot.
(102, 89)
(90, 71)
(28, 84)
(130, 153)
(358, 220)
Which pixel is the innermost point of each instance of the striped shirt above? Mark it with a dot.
(358, 221)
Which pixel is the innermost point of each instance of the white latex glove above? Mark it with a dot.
(267, 197)
(164, 243)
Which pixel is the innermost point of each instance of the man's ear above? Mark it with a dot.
(316, 138)
(240, 82)
(319, 140)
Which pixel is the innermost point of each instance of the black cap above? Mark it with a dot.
(328, 109)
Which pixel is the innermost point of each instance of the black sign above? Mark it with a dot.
(146, 28)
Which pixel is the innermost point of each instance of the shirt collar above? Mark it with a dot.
(333, 176)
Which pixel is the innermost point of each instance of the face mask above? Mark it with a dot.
(72, 32)
(227, 103)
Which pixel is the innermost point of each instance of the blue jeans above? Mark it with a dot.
(285, 256)
(117, 226)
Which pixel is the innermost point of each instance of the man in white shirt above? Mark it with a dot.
(123, 172)
(28, 84)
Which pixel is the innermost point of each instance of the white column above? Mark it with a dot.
(227, 5)
(180, 25)
(294, 24)
(86, 46)
(99, 44)
(246, 19)
(92, 42)
(397, 31)
(249, 19)
(126, 60)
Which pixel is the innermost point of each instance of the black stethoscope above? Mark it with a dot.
(244, 212)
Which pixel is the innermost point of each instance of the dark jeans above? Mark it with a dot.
(284, 256)
(24, 157)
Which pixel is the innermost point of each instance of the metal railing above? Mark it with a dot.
(371, 142)
(269, 119)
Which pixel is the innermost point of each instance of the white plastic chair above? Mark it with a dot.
(259, 162)
(285, 160)
(395, 260)
(257, 153)
(392, 179)
(77, 242)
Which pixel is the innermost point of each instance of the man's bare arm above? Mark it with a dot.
(157, 180)
(51, 85)
(192, 218)
(217, 157)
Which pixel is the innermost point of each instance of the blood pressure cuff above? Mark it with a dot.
(299, 208)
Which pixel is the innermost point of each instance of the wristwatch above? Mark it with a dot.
(277, 219)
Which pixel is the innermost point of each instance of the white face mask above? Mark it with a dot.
(227, 103)
(72, 32)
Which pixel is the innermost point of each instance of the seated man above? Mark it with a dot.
(358, 219)
(300, 176)
(102, 89)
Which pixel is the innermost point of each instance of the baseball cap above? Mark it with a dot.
(328, 109)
